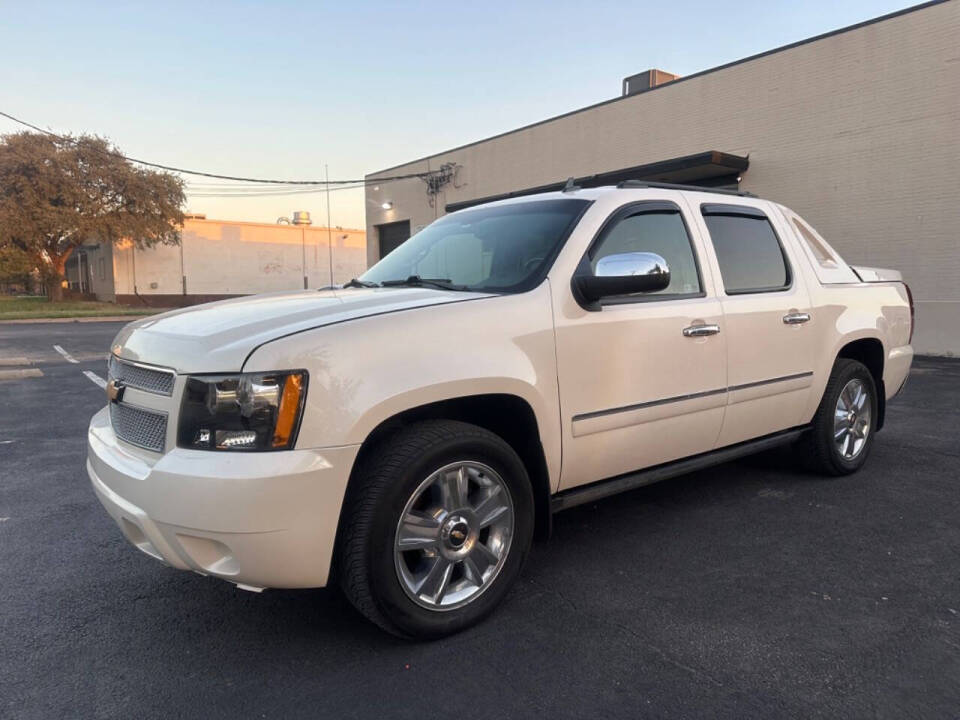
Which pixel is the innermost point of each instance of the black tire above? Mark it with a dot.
(818, 446)
(386, 478)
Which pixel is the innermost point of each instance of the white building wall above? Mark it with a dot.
(224, 258)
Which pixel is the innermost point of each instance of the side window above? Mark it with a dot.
(748, 251)
(818, 249)
(660, 232)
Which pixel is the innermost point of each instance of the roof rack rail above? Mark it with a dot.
(674, 186)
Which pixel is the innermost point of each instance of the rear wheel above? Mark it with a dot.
(436, 528)
(843, 427)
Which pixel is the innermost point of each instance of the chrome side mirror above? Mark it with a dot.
(623, 274)
(632, 263)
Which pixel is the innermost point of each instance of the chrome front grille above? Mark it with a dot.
(142, 377)
(138, 426)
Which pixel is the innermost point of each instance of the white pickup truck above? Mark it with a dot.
(410, 433)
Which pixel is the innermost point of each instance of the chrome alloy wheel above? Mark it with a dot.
(454, 535)
(851, 420)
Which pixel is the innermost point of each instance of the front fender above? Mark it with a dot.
(426, 395)
(365, 371)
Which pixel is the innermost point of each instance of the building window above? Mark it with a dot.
(102, 268)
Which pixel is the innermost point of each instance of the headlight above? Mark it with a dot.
(253, 411)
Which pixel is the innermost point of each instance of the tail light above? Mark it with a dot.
(913, 323)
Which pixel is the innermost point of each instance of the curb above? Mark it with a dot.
(20, 374)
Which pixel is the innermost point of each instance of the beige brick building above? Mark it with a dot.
(857, 130)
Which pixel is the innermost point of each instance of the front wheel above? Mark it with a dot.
(841, 435)
(435, 529)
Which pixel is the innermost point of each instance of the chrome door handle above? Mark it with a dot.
(796, 318)
(700, 330)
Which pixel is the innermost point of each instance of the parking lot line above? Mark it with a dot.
(66, 356)
(94, 378)
(19, 360)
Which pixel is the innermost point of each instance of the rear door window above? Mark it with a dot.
(748, 251)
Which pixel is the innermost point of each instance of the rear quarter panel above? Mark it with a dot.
(846, 313)
(845, 310)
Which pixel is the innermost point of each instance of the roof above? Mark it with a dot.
(629, 189)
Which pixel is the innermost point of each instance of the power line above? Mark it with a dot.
(267, 193)
(199, 173)
(227, 184)
(260, 186)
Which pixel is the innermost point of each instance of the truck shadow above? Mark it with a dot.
(645, 519)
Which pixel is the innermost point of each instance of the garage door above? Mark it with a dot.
(391, 235)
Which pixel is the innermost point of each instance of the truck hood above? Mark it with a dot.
(218, 337)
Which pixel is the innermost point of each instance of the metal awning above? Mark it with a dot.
(710, 169)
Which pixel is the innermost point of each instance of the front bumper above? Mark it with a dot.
(256, 519)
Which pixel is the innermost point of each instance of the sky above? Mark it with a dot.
(283, 89)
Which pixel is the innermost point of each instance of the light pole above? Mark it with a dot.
(303, 253)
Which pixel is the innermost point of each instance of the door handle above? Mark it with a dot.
(796, 318)
(701, 330)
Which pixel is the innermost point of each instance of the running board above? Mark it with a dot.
(621, 483)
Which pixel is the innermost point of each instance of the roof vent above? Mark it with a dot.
(647, 80)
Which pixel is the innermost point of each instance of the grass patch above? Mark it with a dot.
(29, 307)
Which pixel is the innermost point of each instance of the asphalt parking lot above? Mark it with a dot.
(749, 590)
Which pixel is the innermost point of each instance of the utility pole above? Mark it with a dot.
(183, 272)
(326, 170)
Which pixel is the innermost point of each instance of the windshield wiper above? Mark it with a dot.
(417, 281)
(353, 282)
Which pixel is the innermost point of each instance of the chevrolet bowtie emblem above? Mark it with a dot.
(115, 391)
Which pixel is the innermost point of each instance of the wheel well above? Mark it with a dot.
(869, 351)
(508, 416)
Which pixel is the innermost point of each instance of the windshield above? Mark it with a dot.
(504, 248)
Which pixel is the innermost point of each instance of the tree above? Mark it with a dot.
(15, 264)
(57, 193)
